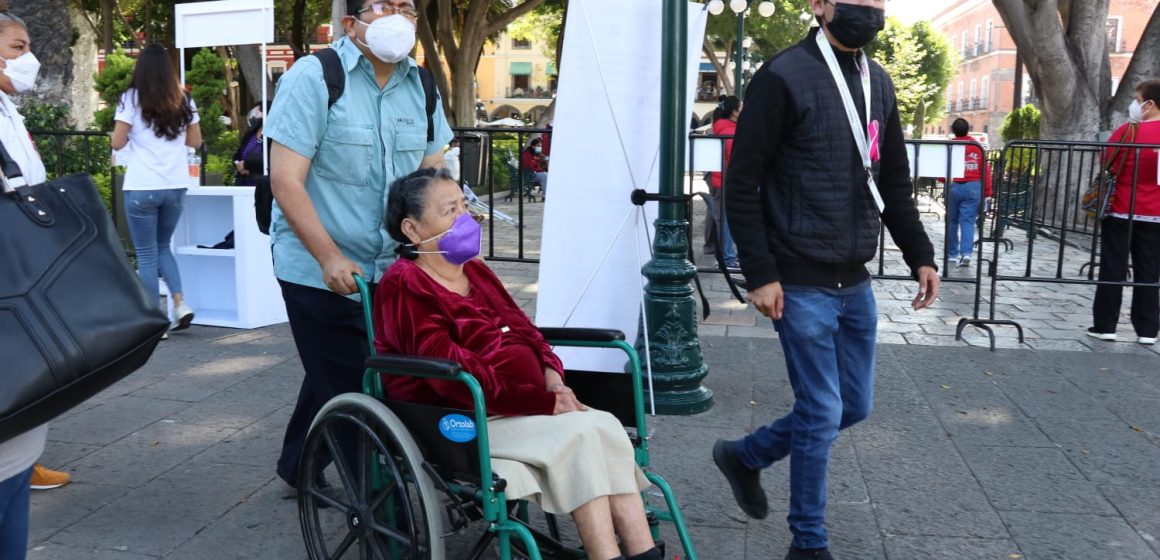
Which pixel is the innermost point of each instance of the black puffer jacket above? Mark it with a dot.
(796, 195)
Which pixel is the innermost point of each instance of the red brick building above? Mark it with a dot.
(983, 91)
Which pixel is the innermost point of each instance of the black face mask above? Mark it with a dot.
(855, 26)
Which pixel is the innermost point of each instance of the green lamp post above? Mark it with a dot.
(670, 311)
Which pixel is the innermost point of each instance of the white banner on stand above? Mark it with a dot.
(605, 144)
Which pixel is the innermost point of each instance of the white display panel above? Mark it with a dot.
(225, 22)
(931, 160)
(605, 144)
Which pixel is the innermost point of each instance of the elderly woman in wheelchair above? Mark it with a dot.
(439, 301)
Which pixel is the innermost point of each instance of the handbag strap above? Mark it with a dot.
(12, 183)
(11, 178)
(1116, 160)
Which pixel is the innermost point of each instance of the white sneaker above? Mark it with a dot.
(1146, 340)
(1111, 337)
(964, 261)
(182, 317)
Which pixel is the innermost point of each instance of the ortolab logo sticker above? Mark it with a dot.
(457, 428)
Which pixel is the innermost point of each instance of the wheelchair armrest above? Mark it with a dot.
(581, 335)
(410, 365)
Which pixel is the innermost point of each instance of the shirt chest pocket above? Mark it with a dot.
(345, 155)
(410, 145)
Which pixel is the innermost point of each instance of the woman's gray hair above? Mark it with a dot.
(407, 199)
(8, 17)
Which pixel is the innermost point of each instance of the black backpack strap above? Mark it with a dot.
(332, 73)
(428, 81)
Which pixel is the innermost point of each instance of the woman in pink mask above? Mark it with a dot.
(440, 301)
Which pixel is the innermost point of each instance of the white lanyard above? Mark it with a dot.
(861, 132)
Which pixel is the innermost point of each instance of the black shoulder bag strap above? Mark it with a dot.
(335, 77)
(428, 81)
(12, 183)
(332, 73)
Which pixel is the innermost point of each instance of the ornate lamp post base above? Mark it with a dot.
(674, 348)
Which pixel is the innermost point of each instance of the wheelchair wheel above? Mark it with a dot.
(381, 504)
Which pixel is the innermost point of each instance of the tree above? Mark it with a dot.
(920, 62)
(51, 32)
(457, 30)
(296, 20)
(1064, 45)
(786, 26)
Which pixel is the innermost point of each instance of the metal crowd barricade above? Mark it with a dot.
(487, 153)
(932, 171)
(1040, 187)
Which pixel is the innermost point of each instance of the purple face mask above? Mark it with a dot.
(459, 244)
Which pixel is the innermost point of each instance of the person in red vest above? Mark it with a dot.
(963, 210)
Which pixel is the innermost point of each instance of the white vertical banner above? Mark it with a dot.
(605, 144)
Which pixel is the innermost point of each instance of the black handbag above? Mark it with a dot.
(74, 317)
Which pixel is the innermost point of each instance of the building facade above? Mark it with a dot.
(983, 90)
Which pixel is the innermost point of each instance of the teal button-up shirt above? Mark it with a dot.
(357, 148)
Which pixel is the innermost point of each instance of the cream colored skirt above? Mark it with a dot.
(562, 462)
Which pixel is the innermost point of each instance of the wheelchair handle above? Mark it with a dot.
(364, 293)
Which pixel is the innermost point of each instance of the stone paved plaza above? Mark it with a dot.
(1043, 451)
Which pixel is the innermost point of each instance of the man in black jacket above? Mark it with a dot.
(819, 164)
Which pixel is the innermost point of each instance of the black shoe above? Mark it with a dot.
(808, 554)
(745, 482)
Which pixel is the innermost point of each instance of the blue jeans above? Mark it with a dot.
(962, 214)
(153, 216)
(14, 504)
(724, 237)
(828, 340)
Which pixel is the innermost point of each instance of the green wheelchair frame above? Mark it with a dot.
(382, 487)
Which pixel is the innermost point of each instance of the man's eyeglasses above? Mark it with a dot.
(385, 8)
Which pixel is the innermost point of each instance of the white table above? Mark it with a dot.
(226, 287)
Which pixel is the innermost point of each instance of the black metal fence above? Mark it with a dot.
(1040, 192)
(1037, 228)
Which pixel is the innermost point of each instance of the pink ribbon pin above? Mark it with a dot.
(873, 132)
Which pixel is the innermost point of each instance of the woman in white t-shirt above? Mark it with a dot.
(157, 121)
(18, 70)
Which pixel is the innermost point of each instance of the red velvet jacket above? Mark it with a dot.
(485, 332)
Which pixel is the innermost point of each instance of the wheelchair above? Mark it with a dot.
(421, 473)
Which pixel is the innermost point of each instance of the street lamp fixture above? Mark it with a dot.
(740, 8)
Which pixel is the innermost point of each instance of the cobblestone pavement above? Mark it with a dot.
(1054, 316)
(969, 455)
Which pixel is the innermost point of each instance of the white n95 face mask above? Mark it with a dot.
(22, 70)
(390, 38)
(1136, 111)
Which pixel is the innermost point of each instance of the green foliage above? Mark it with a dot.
(40, 115)
(110, 84)
(1020, 124)
(206, 77)
(920, 61)
(542, 26)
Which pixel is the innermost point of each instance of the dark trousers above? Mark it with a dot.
(711, 217)
(1144, 249)
(331, 337)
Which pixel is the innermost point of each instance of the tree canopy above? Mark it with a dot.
(920, 61)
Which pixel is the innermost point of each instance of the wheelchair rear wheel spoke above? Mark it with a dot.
(345, 545)
(394, 511)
